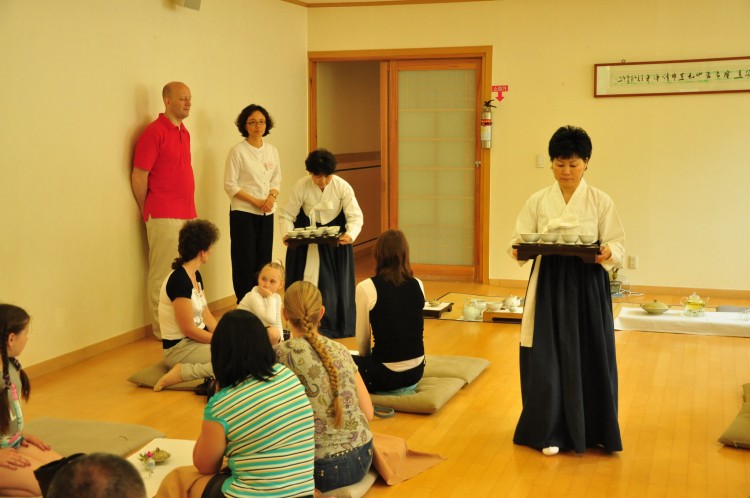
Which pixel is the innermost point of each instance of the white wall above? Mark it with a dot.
(678, 167)
(80, 80)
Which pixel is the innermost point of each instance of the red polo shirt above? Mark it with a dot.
(164, 151)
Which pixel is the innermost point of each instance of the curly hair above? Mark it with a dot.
(303, 302)
(241, 121)
(13, 320)
(195, 236)
(568, 141)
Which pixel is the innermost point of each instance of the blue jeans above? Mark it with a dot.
(343, 469)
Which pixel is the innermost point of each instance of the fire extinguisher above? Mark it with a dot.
(485, 125)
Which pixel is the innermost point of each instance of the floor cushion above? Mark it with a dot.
(90, 436)
(149, 376)
(443, 377)
(431, 394)
(467, 368)
(356, 490)
(738, 432)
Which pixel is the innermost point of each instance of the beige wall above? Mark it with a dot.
(80, 80)
(677, 166)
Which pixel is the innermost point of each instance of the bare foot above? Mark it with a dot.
(174, 376)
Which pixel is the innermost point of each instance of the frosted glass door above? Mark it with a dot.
(437, 151)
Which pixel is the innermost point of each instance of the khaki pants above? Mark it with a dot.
(163, 235)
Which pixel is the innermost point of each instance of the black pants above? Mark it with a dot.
(379, 378)
(252, 247)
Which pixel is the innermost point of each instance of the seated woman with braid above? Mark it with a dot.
(341, 404)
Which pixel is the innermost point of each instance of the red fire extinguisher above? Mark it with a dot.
(485, 125)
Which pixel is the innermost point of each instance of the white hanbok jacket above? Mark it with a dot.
(589, 211)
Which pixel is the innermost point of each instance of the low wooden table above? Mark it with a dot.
(502, 316)
(436, 311)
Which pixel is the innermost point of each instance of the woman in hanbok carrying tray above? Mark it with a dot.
(567, 354)
(324, 199)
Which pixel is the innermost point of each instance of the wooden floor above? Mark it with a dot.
(677, 395)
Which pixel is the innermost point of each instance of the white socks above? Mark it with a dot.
(550, 450)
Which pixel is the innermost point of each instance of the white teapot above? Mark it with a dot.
(470, 311)
(512, 303)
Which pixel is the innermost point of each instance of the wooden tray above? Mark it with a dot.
(330, 240)
(435, 311)
(587, 252)
(504, 316)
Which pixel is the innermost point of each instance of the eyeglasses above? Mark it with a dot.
(252, 122)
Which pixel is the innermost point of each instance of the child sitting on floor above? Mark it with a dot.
(20, 454)
(264, 300)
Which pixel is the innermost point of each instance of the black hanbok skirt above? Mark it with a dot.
(335, 279)
(569, 375)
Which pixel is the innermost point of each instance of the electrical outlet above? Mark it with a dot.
(633, 262)
(540, 160)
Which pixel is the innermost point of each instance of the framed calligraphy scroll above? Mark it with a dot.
(630, 79)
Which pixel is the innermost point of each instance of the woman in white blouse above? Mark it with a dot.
(324, 199)
(567, 356)
(252, 178)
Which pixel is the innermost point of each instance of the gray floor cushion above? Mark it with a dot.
(443, 377)
(147, 377)
(431, 394)
(737, 434)
(467, 368)
(89, 436)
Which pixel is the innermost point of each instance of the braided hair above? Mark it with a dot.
(303, 302)
(13, 320)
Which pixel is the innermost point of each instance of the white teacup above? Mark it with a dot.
(550, 237)
(587, 238)
(493, 306)
(570, 238)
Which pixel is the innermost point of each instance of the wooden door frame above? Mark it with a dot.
(384, 56)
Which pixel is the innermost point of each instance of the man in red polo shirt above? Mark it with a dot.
(164, 187)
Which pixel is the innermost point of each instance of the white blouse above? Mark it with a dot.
(255, 170)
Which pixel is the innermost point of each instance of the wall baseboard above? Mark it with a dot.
(87, 352)
(68, 359)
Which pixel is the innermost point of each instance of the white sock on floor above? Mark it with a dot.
(550, 450)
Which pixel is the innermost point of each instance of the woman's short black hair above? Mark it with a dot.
(240, 349)
(195, 236)
(569, 141)
(246, 112)
(321, 162)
